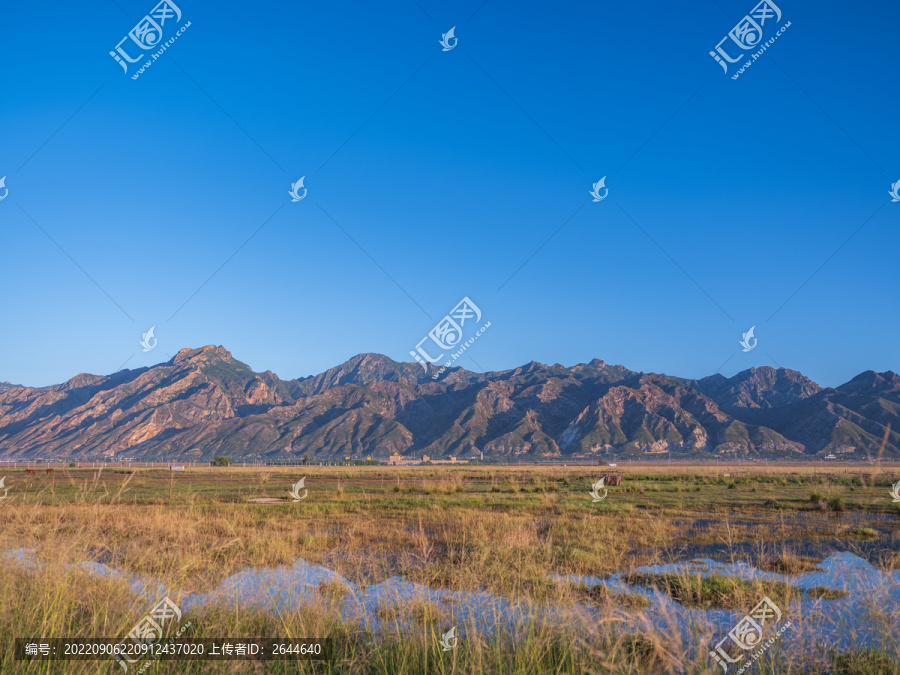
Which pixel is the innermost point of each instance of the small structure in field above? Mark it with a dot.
(177, 467)
(614, 479)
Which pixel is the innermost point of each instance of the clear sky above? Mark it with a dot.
(433, 175)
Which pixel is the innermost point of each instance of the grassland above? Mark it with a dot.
(509, 530)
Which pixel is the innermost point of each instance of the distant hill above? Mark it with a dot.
(204, 402)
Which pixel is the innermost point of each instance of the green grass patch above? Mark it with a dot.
(826, 593)
(788, 564)
(865, 532)
(713, 592)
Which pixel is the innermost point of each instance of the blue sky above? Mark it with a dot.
(433, 175)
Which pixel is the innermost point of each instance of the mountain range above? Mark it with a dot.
(203, 402)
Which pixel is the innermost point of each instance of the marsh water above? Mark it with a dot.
(846, 565)
(801, 534)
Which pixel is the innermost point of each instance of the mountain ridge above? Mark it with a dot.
(204, 402)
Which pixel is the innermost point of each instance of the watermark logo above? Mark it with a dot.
(445, 40)
(449, 639)
(6, 189)
(595, 490)
(747, 634)
(895, 491)
(745, 341)
(6, 489)
(295, 190)
(146, 338)
(595, 192)
(148, 630)
(894, 193)
(748, 34)
(295, 493)
(148, 35)
(448, 334)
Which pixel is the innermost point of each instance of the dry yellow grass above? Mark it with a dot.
(506, 530)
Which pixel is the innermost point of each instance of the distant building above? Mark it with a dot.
(177, 467)
(830, 457)
(452, 460)
(397, 460)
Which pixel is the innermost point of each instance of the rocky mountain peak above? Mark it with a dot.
(763, 387)
(206, 353)
(871, 382)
